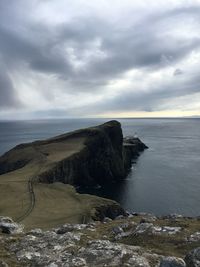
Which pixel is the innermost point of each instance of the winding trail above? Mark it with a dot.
(32, 200)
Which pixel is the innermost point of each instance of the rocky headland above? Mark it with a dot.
(97, 155)
(38, 179)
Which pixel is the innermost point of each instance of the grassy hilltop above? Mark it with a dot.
(32, 188)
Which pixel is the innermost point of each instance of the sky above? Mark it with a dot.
(105, 58)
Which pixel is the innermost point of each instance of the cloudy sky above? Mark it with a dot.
(99, 58)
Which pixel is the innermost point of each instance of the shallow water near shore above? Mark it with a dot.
(165, 178)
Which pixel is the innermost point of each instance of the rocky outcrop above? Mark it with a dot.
(97, 155)
(108, 211)
(192, 259)
(8, 226)
(94, 244)
(132, 146)
(99, 162)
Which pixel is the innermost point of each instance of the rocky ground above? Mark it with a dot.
(132, 240)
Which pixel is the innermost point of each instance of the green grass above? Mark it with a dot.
(55, 203)
(174, 245)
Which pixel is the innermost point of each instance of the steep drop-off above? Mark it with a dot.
(85, 157)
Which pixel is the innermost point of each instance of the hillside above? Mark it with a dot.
(36, 178)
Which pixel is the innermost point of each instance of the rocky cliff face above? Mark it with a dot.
(131, 149)
(100, 160)
(101, 156)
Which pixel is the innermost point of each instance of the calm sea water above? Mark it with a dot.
(165, 178)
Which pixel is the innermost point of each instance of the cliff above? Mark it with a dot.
(89, 156)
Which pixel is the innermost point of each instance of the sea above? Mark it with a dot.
(165, 179)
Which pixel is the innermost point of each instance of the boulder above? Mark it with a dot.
(3, 264)
(117, 230)
(8, 226)
(172, 262)
(194, 237)
(192, 259)
(143, 228)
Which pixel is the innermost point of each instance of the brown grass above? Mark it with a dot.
(55, 203)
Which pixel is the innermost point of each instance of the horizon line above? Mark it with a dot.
(71, 118)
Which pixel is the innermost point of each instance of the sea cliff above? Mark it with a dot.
(40, 176)
(97, 155)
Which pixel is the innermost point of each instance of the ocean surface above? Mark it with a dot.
(165, 178)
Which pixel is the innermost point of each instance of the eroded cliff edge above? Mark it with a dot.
(96, 155)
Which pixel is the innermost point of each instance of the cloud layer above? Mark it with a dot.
(77, 58)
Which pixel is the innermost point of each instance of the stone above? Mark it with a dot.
(171, 230)
(107, 220)
(4, 219)
(148, 219)
(192, 259)
(117, 230)
(143, 228)
(172, 262)
(105, 253)
(173, 217)
(8, 226)
(3, 264)
(122, 235)
(136, 261)
(194, 237)
(127, 225)
(120, 217)
(53, 265)
(35, 232)
(70, 227)
(166, 230)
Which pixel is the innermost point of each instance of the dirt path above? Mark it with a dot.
(32, 200)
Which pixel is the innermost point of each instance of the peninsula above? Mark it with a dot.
(38, 179)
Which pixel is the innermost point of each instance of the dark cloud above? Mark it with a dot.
(155, 99)
(8, 96)
(16, 49)
(178, 72)
(85, 53)
(142, 45)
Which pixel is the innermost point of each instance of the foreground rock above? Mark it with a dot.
(192, 259)
(8, 226)
(95, 244)
(172, 262)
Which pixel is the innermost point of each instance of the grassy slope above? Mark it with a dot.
(174, 245)
(55, 203)
(58, 203)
